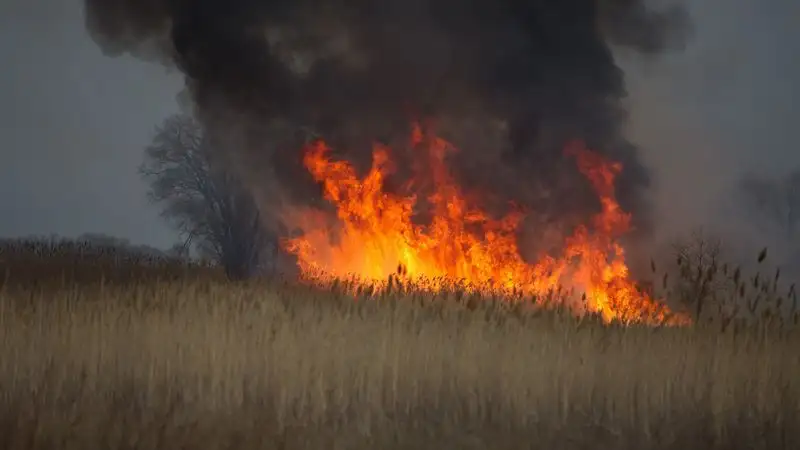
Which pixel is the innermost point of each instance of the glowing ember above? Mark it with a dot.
(376, 237)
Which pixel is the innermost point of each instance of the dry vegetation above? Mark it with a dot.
(99, 353)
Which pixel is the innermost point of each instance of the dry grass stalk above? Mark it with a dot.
(203, 364)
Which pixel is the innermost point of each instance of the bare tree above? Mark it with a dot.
(211, 209)
(699, 258)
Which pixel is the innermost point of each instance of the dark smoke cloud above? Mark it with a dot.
(509, 80)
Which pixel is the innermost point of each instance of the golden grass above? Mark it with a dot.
(203, 364)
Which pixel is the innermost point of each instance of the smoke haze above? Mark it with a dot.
(74, 122)
(726, 106)
(536, 74)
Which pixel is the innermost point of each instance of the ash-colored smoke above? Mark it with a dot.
(509, 82)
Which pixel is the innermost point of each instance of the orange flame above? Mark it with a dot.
(376, 237)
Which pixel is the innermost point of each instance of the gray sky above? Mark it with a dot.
(73, 122)
(73, 125)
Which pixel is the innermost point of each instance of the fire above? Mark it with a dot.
(375, 236)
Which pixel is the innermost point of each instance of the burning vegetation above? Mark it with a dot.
(376, 236)
(259, 71)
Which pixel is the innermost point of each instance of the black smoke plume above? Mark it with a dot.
(510, 81)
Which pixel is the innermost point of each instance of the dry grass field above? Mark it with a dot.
(178, 358)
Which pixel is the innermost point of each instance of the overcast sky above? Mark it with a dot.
(73, 122)
(73, 125)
